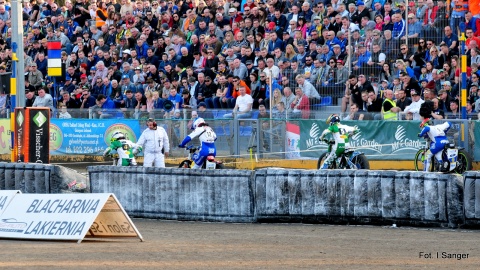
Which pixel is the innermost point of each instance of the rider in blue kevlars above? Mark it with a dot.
(206, 136)
(437, 135)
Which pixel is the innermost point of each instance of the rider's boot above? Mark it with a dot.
(328, 161)
(426, 165)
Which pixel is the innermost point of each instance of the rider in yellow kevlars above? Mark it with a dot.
(340, 134)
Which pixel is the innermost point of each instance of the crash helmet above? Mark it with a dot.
(332, 119)
(198, 122)
(117, 135)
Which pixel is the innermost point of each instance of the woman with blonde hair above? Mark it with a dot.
(290, 53)
(150, 104)
(403, 67)
(277, 98)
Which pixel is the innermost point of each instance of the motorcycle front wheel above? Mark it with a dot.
(419, 161)
(220, 166)
(321, 160)
(464, 162)
(361, 162)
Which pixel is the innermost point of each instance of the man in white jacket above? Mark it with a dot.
(413, 109)
(155, 144)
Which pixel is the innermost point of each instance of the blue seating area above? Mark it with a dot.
(326, 101)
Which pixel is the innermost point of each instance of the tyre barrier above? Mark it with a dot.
(41, 178)
(359, 197)
(181, 194)
(472, 198)
(279, 195)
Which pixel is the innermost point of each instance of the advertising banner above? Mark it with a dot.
(18, 150)
(5, 137)
(5, 197)
(88, 136)
(292, 138)
(476, 141)
(379, 140)
(65, 217)
(36, 138)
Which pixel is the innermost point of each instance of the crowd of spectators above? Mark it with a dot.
(155, 58)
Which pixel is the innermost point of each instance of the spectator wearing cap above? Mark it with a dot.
(69, 86)
(341, 74)
(234, 16)
(203, 112)
(361, 12)
(29, 95)
(363, 58)
(414, 29)
(35, 77)
(187, 101)
(126, 84)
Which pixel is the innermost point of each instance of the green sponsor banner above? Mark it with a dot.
(384, 140)
(476, 146)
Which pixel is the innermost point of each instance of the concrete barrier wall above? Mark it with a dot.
(472, 198)
(41, 178)
(341, 196)
(334, 196)
(183, 194)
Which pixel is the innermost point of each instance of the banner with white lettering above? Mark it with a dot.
(5, 197)
(65, 217)
(88, 136)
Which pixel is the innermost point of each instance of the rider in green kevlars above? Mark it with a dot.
(126, 149)
(340, 135)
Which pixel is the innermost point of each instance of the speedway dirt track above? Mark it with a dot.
(196, 245)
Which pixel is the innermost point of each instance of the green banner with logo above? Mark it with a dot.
(384, 140)
(476, 142)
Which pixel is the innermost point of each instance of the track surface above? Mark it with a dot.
(196, 245)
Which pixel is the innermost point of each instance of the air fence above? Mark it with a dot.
(281, 195)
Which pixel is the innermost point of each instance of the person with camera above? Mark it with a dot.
(155, 144)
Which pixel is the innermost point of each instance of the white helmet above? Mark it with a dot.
(197, 122)
(117, 135)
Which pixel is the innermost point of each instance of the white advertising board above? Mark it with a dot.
(5, 197)
(66, 217)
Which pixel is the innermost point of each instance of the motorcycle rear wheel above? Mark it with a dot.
(464, 162)
(185, 164)
(361, 162)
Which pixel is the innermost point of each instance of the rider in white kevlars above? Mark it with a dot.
(438, 140)
(206, 136)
